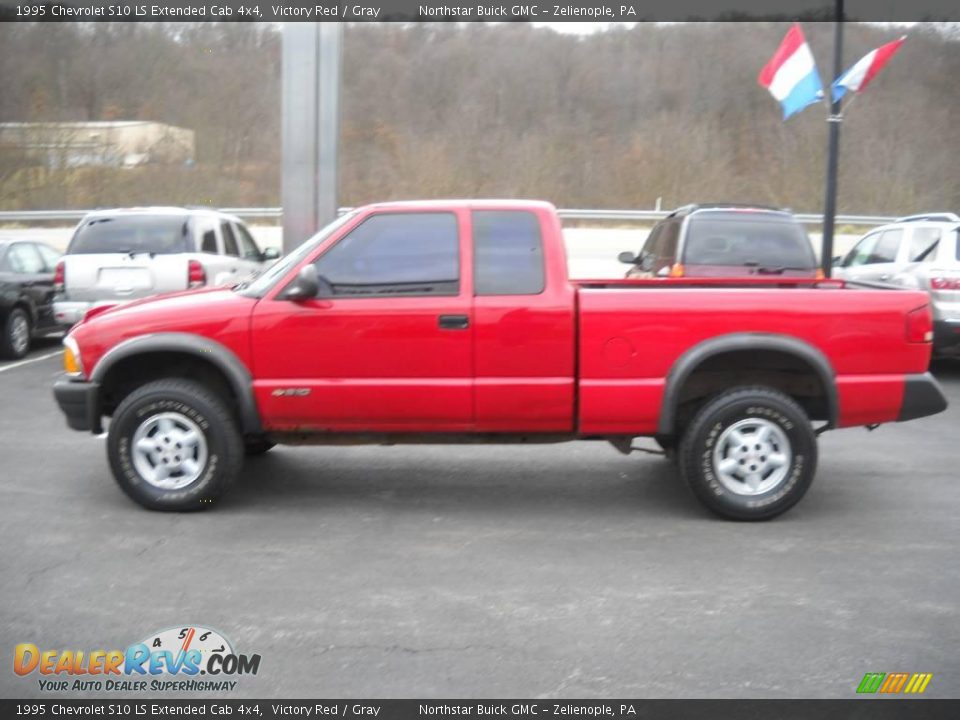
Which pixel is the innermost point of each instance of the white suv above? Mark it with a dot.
(919, 251)
(120, 255)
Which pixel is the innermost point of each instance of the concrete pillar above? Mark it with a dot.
(310, 127)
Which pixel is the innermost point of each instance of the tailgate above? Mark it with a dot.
(120, 276)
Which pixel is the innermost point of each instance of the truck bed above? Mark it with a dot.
(630, 341)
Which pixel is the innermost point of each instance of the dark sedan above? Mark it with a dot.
(26, 294)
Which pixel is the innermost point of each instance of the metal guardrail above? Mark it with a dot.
(20, 216)
(642, 215)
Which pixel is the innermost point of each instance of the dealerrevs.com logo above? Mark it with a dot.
(187, 659)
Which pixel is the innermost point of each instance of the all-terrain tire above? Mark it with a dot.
(191, 428)
(750, 453)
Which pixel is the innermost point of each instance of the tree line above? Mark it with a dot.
(612, 119)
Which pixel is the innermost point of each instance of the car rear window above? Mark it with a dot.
(744, 242)
(154, 234)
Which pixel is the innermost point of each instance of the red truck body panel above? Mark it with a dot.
(588, 358)
(218, 314)
(625, 357)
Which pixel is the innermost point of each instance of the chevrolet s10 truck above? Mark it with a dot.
(456, 322)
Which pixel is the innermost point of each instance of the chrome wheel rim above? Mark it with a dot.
(752, 457)
(169, 451)
(19, 333)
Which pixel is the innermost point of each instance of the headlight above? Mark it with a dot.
(72, 363)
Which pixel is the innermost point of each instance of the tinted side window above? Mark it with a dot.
(396, 254)
(650, 246)
(507, 253)
(24, 258)
(229, 241)
(668, 241)
(248, 246)
(923, 244)
(209, 242)
(887, 248)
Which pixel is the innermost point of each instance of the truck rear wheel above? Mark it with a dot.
(749, 454)
(174, 445)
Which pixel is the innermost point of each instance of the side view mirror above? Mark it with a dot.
(270, 254)
(836, 259)
(305, 286)
(627, 258)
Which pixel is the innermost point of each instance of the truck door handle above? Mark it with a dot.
(453, 322)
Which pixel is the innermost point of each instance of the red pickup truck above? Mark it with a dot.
(454, 322)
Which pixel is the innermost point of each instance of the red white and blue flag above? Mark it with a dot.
(866, 68)
(791, 75)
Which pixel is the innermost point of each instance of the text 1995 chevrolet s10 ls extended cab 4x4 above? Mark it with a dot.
(455, 321)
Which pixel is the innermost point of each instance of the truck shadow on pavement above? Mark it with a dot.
(400, 478)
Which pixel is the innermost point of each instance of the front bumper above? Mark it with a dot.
(80, 403)
(946, 334)
(922, 396)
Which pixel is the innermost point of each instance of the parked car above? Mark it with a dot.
(919, 251)
(725, 240)
(116, 256)
(26, 294)
(455, 321)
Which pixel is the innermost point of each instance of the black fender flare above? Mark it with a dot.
(687, 363)
(208, 350)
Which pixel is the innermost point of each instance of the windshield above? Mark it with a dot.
(153, 234)
(262, 283)
(748, 242)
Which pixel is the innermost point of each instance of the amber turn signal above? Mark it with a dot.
(70, 362)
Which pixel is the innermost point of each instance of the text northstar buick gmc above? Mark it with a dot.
(455, 321)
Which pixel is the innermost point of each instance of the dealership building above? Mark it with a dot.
(109, 143)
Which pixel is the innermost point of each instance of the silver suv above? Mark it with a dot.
(919, 251)
(120, 255)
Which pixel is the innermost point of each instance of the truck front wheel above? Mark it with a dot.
(749, 454)
(174, 445)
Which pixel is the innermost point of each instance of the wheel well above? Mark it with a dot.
(134, 371)
(782, 370)
(26, 307)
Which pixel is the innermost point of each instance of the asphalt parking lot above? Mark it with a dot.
(557, 571)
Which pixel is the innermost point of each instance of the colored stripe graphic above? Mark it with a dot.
(918, 683)
(893, 683)
(870, 683)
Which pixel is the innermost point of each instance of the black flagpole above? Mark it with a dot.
(830, 204)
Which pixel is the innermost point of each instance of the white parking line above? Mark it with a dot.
(31, 360)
